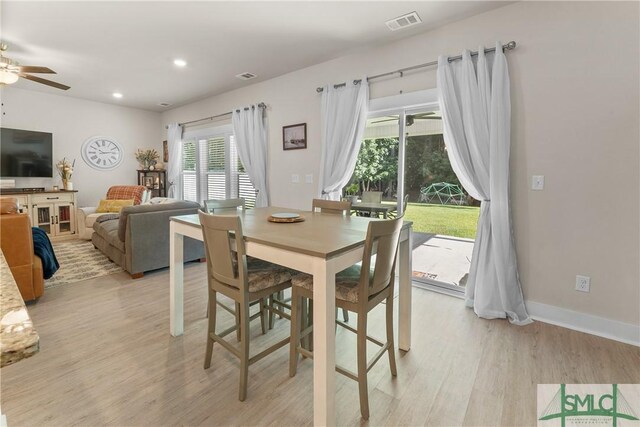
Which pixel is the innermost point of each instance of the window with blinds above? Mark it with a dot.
(211, 169)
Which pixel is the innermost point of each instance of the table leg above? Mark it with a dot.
(404, 297)
(176, 281)
(324, 345)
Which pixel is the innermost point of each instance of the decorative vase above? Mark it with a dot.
(68, 185)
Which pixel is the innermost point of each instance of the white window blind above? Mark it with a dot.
(211, 168)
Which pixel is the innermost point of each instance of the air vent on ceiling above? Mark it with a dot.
(246, 76)
(164, 104)
(404, 21)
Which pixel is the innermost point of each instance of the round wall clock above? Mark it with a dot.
(102, 153)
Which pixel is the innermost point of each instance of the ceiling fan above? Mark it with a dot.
(411, 118)
(11, 71)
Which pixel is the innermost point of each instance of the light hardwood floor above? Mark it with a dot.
(107, 359)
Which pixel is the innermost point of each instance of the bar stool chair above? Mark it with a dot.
(242, 279)
(337, 208)
(223, 205)
(231, 207)
(358, 289)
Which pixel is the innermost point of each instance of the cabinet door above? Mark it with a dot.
(65, 219)
(44, 217)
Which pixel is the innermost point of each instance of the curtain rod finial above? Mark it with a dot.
(511, 45)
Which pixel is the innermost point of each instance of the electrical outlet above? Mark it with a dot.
(308, 178)
(583, 283)
(537, 182)
(295, 178)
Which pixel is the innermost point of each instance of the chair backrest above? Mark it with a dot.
(224, 264)
(331, 206)
(223, 206)
(127, 192)
(371, 197)
(384, 236)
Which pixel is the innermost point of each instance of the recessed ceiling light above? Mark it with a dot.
(180, 62)
(117, 95)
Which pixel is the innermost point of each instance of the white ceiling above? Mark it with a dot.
(98, 48)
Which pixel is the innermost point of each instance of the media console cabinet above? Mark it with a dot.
(53, 211)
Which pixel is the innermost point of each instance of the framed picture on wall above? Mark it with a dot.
(294, 137)
(165, 151)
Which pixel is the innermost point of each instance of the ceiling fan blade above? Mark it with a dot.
(35, 69)
(43, 81)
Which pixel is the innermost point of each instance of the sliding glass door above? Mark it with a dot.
(403, 153)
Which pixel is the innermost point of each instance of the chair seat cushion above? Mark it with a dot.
(263, 274)
(108, 230)
(346, 283)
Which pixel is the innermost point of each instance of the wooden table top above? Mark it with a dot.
(320, 235)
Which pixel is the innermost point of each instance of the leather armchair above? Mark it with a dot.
(16, 242)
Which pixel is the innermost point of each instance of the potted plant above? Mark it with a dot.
(147, 158)
(352, 192)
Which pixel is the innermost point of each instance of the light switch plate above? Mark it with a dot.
(295, 178)
(308, 178)
(537, 182)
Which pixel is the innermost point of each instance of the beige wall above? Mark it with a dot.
(72, 121)
(575, 120)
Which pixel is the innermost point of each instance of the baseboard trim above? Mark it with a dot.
(582, 322)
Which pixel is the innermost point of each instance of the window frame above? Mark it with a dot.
(231, 170)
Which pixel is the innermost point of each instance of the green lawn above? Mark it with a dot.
(458, 221)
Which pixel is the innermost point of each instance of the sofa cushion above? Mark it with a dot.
(108, 230)
(124, 192)
(130, 210)
(113, 206)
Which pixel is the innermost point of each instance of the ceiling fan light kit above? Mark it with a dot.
(7, 78)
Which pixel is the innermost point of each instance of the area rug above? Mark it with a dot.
(79, 260)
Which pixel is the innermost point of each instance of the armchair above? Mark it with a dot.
(16, 242)
(87, 216)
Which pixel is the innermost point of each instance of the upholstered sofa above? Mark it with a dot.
(16, 242)
(138, 239)
(87, 216)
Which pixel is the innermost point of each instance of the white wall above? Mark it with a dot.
(575, 120)
(72, 121)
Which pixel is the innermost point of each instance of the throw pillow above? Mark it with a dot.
(108, 206)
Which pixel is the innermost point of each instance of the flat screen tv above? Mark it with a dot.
(25, 154)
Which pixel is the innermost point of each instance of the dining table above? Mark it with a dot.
(374, 208)
(321, 245)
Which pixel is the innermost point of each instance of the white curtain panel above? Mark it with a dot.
(174, 167)
(476, 113)
(250, 130)
(343, 119)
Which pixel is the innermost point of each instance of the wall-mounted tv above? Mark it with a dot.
(25, 154)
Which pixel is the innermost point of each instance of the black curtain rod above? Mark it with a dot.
(509, 46)
(260, 105)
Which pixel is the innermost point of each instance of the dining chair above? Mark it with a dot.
(229, 206)
(223, 205)
(243, 279)
(359, 288)
(331, 206)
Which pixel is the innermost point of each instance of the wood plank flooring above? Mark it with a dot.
(107, 359)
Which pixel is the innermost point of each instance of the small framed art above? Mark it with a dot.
(294, 137)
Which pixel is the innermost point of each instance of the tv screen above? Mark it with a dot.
(25, 154)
